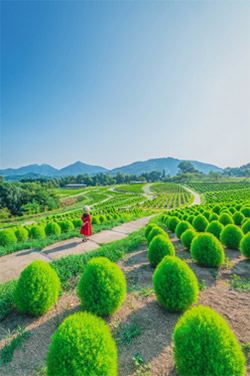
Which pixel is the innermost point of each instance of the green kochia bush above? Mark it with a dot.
(207, 250)
(102, 287)
(37, 232)
(95, 221)
(246, 227)
(175, 284)
(7, 237)
(148, 228)
(238, 218)
(159, 247)
(245, 245)
(213, 217)
(21, 234)
(215, 228)
(37, 288)
(172, 223)
(200, 223)
(77, 223)
(82, 346)
(231, 236)
(205, 345)
(246, 211)
(182, 227)
(225, 219)
(156, 231)
(52, 228)
(66, 225)
(187, 237)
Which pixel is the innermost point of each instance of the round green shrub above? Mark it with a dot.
(215, 228)
(207, 250)
(95, 221)
(190, 219)
(159, 247)
(246, 211)
(102, 219)
(53, 228)
(77, 223)
(232, 210)
(7, 237)
(200, 223)
(216, 209)
(246, 227)
(181, 228)
(66, 225)
(36, 232)
(172, 223)
(83, 345)
(245, 245)
(206, 214)
(156, 231)
(21, 234)
(213, 217)
(225, 219)
(187, 238)
(102, 287)
(231, 236)
(238, 218)
(175, 284)
(37, 288)
(148, 228)
(204, 345)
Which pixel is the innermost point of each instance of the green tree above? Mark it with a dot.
(186, 166)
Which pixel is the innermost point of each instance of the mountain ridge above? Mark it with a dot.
(169, 164)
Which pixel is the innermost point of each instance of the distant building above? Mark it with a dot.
(137, 182)
(75, 186)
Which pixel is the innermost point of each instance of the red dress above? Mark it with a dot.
(86, 229)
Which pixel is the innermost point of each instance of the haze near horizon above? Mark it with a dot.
(111, 83)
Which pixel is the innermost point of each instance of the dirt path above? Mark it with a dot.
(197, 198)
(12, 265)
(147, 193)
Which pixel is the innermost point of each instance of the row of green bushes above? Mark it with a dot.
(210, 347)
(229, 235)
(23, 233)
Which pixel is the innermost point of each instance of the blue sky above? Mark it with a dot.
(113, 82)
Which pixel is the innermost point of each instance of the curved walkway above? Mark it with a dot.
(147, 192)
(197, 197)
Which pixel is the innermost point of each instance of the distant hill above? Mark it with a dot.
(44, 169)
(80, 168)
(170, 165)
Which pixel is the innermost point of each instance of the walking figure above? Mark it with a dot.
(86, 223)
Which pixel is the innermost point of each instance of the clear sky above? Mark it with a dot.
(113, 82)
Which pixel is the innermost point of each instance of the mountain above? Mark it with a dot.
(80, 168)
(44, 169)
(170, 165)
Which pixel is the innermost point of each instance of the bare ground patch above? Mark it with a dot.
(141, 311)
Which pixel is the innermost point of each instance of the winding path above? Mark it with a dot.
(197, 197)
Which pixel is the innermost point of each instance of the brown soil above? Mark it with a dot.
(155, 341)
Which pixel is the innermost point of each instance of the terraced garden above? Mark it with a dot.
(167, 196)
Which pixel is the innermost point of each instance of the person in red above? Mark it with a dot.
(86, 224)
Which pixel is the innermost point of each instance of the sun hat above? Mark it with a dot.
(86, 209)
